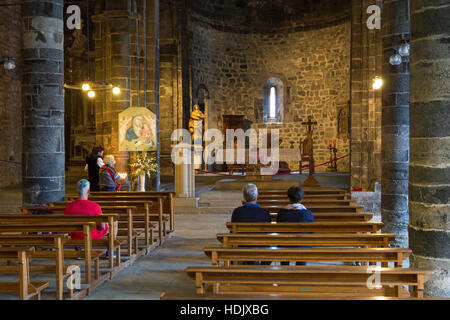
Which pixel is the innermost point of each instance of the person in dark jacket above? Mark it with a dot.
(251, 212)
(108, 175)
(295, 212)
(93, 164)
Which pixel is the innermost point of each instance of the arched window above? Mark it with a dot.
(273, 101)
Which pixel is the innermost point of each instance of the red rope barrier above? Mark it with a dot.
(261, 175)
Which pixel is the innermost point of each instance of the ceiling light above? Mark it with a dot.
(86, 87)
(116, 90)
(91, 94)
(403, 50)
(395, 59)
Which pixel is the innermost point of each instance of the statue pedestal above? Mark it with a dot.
(185, 174)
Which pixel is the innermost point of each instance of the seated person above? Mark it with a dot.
(251, 212)
(108, 176)
(295, 212)
(84, 206)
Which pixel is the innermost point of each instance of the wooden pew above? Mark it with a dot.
(224, 256)
(334, 216)
(210, 296)
(151, 209)
(294, 227)
(307, 202)
(66, 227)
(316, 240)
(343, 196)
(127, 216)
(25, 287)
(308, 280)
(166, 196)
(106, 218)
(308, 191)
(318, 208)
(55, 242)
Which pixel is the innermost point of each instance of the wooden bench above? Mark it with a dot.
(107, 218)
(308, 191)
(66, 227)
(166, 196)
(56, 242)
(334, 216)
(210, 296)
(320, 208)
(127, 229)
(309, 280)
(316, 240)
(307, 202)
(24, 287)
(343, 196)
(294, 227)
(225, 256)
(151, 209)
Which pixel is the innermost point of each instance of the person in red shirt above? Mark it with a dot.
(84, 206)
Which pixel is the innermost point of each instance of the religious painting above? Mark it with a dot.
(137, 130)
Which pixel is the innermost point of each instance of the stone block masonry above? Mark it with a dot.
(43, 158)
(313, 65)
(10, 95)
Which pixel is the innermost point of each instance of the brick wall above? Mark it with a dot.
(10, 96)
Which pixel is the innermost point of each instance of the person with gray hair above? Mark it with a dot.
(83, 206)
(250, 211)
(109, 178)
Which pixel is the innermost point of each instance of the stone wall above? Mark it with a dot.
(313, 64)
(10, 96)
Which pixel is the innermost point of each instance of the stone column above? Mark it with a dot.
(429, 183)
(43, 102)
(395, 124)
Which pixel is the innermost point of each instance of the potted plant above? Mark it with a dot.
(142, 165)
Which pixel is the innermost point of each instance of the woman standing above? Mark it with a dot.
(93, 164)
(109, 178)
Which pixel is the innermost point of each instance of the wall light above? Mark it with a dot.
(377, 83)
(116, 90)
(8, 63)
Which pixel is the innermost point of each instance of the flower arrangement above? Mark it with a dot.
(143, 164)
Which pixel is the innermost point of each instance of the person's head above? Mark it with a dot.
(109, 160)
(295, 194)
(98, 151)
(83, 187)
(250, 193)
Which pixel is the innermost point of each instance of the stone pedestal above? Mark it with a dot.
(185, 174)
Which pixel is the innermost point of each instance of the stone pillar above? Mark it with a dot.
(395, 124)
(113, 65)
(43, 157)
(429, 183)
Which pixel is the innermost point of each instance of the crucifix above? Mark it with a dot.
(307, 153)
(310, 123)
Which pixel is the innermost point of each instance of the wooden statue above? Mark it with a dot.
(196, 117)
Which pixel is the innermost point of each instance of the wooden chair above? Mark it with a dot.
(309, 280)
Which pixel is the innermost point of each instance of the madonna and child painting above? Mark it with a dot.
(137, 130)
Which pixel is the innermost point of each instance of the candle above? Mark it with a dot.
(331, 143)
